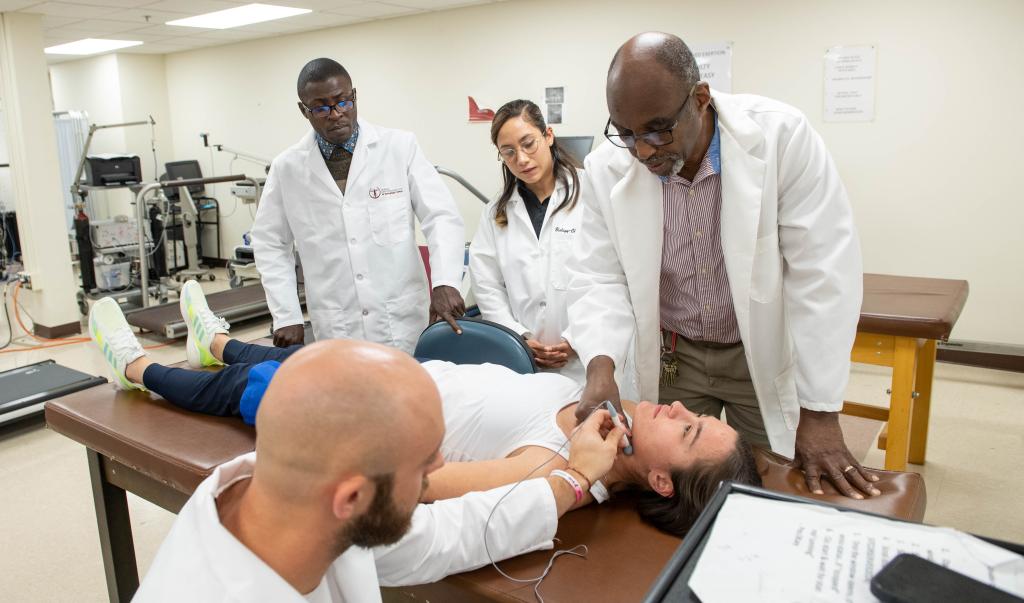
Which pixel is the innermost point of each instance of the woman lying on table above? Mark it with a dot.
(500, 426)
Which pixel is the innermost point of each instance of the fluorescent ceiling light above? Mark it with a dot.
(90, 46)
(242, 15)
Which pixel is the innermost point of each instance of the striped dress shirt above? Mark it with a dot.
(696, 301)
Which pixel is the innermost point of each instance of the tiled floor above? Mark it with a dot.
(50, 548)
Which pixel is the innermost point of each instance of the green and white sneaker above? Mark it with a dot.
(202, 326)
(115, 339)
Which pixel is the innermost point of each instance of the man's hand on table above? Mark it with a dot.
(289, 336)
(600, 386)
(821, 452)
(446, 304)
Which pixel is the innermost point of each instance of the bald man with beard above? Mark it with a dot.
(326, 508)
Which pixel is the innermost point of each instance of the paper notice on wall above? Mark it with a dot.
(715, 64)
(770, 550)
(850, 83)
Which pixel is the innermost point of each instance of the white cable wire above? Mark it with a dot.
(573, 551)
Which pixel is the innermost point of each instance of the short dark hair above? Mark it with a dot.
(319, 70)
(693, 489)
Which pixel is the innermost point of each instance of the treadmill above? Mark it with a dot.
(24, 390)
(234, 305)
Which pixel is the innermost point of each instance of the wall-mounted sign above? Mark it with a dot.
(850, 83)
(715, 64)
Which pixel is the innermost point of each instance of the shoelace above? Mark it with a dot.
(123, 340)
(214, 323)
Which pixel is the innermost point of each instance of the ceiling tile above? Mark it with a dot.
(305, 22)
(156, 48)
(374, 10)
(169, 31)
(110, 3)
(51, 21)
(434, 4)
(10, 5)
(226, 34)
(192, 7)
(99, 27)
(138, 15)
(64, 9)
(316, 5)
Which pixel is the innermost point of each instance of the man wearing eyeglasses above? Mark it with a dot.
(717, 246)
(345, 197)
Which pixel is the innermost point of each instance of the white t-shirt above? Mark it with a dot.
(491, 411)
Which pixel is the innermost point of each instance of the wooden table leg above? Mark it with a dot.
(901, 404)
(923, 402)
(115, 533)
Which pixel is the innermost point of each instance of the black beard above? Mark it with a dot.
(382, 524)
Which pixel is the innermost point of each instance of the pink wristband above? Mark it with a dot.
(571, 481)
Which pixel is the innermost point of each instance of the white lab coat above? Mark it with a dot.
(364, 277)
(791, 254)
(201, 561)
(519, 281)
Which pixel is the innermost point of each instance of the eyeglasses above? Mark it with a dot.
(324, 110)
(654, 138)
(529, 146)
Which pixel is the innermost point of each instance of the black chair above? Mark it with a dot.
(481, 342)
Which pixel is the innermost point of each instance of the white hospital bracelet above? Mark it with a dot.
(599, 492)
(576, 487)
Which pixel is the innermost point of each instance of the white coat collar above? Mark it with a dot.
(242, 573)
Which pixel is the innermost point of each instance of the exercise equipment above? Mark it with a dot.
(24, 390)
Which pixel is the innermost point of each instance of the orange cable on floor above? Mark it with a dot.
(58, 342)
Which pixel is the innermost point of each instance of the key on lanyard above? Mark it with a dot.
(669, 364)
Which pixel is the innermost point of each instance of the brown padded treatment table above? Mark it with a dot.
(139, 443)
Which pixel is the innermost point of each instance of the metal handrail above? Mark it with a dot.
(140, 212)
(465, 183)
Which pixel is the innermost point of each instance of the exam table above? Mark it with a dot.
(137, 442)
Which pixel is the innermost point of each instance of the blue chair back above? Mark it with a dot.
(481, 341)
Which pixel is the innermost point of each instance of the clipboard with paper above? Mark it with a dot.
(753, 544)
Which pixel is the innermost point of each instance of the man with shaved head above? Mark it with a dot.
(717, 244)
(326, 508)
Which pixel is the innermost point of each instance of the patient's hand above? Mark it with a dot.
(821, 451)
(593, 454)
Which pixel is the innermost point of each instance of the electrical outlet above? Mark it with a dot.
(25, 279)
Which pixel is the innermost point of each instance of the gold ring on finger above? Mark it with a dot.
(848, 469)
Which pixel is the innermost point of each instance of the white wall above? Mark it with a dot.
(119, 89)
(93, 85)
(143, 94)
(932, 179)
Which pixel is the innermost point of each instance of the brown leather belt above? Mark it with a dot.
(666, 338)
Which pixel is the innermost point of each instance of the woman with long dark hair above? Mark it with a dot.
(519, 254)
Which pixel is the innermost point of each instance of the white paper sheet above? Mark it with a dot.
(769, 550)
(850, 83)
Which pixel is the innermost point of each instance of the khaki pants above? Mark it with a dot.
(714, 377)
